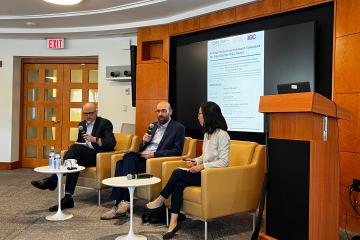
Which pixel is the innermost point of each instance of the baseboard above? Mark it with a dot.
(10, 165)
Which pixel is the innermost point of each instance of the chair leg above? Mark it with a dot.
(99, 197)
(167, 216)
(205, 230)
(254, 219)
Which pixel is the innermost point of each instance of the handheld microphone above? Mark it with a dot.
(138, 176)
(82, 130)
(149, 130)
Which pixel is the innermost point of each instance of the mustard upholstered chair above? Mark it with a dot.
(225, 191)
(91, 177)
(154, 167)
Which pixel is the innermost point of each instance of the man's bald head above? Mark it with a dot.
(89, 111)
(163, 111)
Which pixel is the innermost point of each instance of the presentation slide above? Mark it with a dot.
(235, 79)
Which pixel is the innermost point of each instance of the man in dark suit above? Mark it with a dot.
(165, 138)
(97, 136)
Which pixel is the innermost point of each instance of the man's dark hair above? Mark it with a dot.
(213, 118)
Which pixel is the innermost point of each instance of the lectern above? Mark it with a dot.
(303, 166)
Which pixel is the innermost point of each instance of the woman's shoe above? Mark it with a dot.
(170, 235)
(154, 209)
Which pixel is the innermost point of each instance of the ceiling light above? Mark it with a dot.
(64, 2)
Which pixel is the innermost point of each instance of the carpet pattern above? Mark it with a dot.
(23, 209)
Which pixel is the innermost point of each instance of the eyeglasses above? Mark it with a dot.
(161, 111)
(88, 113)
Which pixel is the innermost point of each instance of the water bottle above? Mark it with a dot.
(51, 158)
(57, 161)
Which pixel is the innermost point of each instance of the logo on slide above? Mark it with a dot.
(251, 37)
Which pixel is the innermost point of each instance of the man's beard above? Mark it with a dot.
(163, 120)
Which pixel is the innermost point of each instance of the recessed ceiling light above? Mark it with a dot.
(64, 2)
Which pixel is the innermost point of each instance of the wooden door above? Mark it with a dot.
(53, 95)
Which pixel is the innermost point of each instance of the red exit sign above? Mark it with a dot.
(55, 43)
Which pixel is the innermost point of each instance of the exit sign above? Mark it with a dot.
(55, 43)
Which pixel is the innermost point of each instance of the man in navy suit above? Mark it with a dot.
(97, 136)
(166, 139)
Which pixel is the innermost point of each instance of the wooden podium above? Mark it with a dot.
(303, 181)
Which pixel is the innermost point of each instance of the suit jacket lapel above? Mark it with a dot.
(96, 125)
(166, 134)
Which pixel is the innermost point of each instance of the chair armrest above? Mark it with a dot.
(62, 153)
(168, 168)
(103, 164)
(114, 158)
(229, 190)
(154, 165)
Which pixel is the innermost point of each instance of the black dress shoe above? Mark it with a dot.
(44, 184)
(66, 202)
(158, 209)
(170, 235)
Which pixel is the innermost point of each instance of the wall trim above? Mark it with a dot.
(10, 165)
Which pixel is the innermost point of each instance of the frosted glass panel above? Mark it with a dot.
(51, 75)
(73, 133)
(75, 114)
(32, 113)
(31, 133)
(50, 94)
(76, 95)
(33, 75)
(93, 76)
(49, 133)
(46, 151)
(31, 151)
(93, 95)
(32, 94)
(50, 114)
(76, 76)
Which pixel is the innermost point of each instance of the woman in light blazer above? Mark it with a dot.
(215, 154)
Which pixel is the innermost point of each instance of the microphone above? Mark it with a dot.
(82, 130)
(151, 126)
(138, 176)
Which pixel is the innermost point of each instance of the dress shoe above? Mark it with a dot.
(44, 184)
(157, 209)
(114, 212)
(171, 234)
(66, 202)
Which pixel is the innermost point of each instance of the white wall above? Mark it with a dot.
(111, 96)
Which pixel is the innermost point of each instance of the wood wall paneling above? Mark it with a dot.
(257, 9)
(347, 70)
(349, 130)
(145, 114)
(290, 4)
(350, 167)
(152, 81)
(185, 26)
(347, 17)
(218, 18)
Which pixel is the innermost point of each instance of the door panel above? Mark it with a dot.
(53, 95)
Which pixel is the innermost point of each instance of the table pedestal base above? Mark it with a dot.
(59, 216)
(131, 237)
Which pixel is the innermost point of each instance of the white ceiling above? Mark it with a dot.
(98, 18)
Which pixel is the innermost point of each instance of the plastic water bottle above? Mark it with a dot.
(51, 158)
(57, 161)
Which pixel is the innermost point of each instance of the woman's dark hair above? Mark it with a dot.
(213, 118)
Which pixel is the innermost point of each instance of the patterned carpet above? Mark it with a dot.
(23, 210)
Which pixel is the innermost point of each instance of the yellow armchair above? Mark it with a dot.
(154, 167)
(225, 191)
(92, 177)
